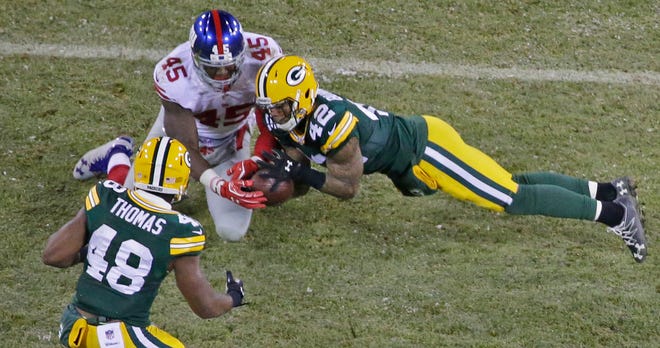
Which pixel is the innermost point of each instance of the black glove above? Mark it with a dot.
(280, 166)
(235, 289)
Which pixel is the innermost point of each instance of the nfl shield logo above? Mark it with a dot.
(109, 334)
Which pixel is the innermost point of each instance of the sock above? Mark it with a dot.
(611, 214)
(118, 167)
(118, 173)
(605, 191)
(593, 189)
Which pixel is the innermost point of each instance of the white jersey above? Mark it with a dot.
(218, 114)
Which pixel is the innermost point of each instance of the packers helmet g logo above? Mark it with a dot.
(296, 75)
(186, 159)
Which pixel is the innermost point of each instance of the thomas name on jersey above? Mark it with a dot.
(138, 217)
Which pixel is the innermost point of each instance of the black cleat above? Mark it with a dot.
(625, 186)
(631, 228)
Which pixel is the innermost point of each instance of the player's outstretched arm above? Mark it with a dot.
(342, 179)
(179, 123)
(198, 292)
(345, 169)
(63, 248)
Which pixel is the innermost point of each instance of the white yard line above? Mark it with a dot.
(356, 66)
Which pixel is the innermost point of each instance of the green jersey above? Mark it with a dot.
(390, 144)
(132, 240)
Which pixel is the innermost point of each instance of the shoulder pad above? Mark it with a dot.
(340, 132)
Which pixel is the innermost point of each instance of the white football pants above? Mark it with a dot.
(230, 219)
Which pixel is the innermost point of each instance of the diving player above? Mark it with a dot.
(420, 154)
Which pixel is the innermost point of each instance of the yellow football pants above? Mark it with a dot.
(464, 172)
(84, 335)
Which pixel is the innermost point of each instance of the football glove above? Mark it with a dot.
(235, 289)
(233, 190)
(244, 169)
(281, 167)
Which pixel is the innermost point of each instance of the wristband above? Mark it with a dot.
(310, 177)
(207, 176)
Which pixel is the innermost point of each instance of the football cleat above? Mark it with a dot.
(95, 162)
(631, 228)
(624, 186)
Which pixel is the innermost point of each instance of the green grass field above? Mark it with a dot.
(381, 270)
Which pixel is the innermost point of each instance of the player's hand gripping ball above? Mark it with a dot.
(277, 191)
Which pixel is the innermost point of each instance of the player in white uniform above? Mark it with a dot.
(206, 86)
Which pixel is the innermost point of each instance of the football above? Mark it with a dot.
(275, 196)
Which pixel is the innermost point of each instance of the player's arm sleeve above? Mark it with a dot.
(94, 196)
(277, 50)
(265, 141)
(190, 245)
(343, 129)
(190, 241)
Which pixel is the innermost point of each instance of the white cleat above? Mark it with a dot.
(95, 162)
